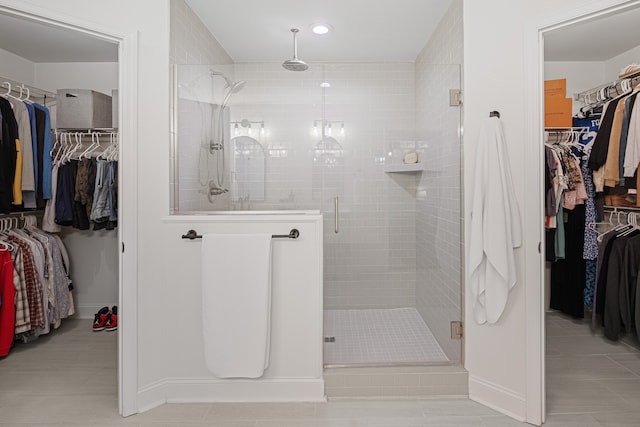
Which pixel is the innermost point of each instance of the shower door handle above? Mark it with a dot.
(336, 218)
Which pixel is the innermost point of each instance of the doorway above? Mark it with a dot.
(125, 48)
(578, 356)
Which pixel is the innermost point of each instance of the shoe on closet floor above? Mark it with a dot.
(100, 319)
(112, 319)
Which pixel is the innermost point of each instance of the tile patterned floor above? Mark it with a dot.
(379, 336)
(69, 379)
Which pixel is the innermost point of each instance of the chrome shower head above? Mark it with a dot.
(237, 86)
(226, 79)
(295, 64)
(233, 88)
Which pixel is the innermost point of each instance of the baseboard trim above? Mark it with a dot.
(499, 398)
(200, 390)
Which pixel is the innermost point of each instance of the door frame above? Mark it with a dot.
(128, 75)
(534, 263)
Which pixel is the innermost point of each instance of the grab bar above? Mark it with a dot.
(293, 234)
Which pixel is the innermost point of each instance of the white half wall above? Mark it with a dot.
(295, 369)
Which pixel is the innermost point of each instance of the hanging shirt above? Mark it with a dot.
(30, 196)
(26, 146)
(43, 129)
(7, 308)
(7, 155)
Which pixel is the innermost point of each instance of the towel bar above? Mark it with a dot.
(293, 234)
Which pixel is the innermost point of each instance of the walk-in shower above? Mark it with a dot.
(339, 131)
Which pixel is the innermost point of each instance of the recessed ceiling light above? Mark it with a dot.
(325, 85)
(321, 28)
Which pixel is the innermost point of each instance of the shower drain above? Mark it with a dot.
(329, 339)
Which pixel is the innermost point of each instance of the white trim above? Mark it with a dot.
(534, 234)
(128, 91)
(19, 9)
(194, 390)
(497, 397)
(127, 226)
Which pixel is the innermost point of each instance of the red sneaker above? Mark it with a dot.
(100, 319)
(112, 319)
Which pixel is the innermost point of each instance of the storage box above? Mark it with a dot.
(82, 109)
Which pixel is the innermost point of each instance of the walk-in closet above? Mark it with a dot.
(592, 212)
(60, 190)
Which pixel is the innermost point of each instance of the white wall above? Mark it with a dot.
(98, 76)
(191, 42)
(438, 207)
(500, 73)
(16, 68)
(614, 65)
(580, 76)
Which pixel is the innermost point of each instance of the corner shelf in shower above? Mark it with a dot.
(404, 168)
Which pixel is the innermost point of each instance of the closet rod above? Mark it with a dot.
(87, 131)
(33, 91)
(633, 77)
(23, 213)
(614, 209)
(566, 129)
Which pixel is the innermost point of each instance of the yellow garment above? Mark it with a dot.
(17, 179)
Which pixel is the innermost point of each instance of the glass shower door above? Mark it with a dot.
(392, 239)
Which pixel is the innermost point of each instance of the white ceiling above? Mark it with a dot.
(598, 39)
(38, 42)
(363, 30)
(258, 30)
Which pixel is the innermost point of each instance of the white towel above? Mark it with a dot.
(236, 303)
(495, 226)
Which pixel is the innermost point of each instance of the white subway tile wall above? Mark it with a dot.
(439, 217)
(190, 40)
(370, 263)
(192, 43)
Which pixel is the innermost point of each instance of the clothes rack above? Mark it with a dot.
(596, 97)
(102, 144)
(26, 92)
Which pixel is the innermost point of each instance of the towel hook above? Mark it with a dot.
(192, 234)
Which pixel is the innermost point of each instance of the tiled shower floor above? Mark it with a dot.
(379, 337)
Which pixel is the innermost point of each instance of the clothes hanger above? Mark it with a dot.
(116, 151)
(85, 153)
(8, 93)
